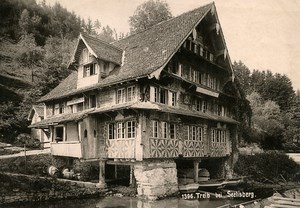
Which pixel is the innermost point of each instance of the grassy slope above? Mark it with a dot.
(14, 78)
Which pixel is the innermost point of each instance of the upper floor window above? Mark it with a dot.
(124, 130)
(162, 95)
(221, 110)
(92, 101)
(218, 135)
(59, 108)
(127, 94)
(130, 93)
(90, 69)
(172, 131)
(196, 133)
(200, 105)
(154, 126)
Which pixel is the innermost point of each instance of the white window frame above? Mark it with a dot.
(130, 126)
(121, 97)
(172, 128)
(154, 128)
(164, 130)
(131, 94)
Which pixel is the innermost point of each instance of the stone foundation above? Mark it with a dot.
(156, 178)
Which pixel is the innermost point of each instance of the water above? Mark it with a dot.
(127, 202)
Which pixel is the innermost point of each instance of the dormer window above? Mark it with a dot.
(89, 69)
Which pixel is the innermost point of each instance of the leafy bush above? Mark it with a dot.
(272, 166)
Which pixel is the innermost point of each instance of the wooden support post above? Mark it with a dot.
(116, 171)
(132, 178)
(196, 171)
(101, 183)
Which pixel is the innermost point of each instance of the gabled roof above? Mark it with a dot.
(143, 54)
(100, 49)
(38, 109)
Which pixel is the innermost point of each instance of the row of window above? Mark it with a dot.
(162, 95)
(122, 130)
(196, 133)
(190, 73)
(218, 135)
(126, 94)
(162, 129)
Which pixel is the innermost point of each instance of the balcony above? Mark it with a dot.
(67, 149)
(120, 148)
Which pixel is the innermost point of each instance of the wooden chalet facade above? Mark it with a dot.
(157, 94)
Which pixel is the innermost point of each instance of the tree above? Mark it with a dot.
(242, 73)
(55, 64)
(267, 121)
(148, 14)
(31, 55)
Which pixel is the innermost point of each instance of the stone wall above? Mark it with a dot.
(156, 179)
(17, 188)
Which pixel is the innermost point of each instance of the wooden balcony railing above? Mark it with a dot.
(120, 148)
(68, 149)
(164, 148)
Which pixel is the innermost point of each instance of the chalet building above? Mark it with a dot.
(36, 114)
(155, 101)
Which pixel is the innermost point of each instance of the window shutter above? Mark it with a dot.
(152, 93)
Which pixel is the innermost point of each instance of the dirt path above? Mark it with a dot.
(29, 152)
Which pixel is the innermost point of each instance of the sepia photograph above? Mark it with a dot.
(149, 103)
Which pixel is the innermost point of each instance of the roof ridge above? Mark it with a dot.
(184, 13)
(102, 41)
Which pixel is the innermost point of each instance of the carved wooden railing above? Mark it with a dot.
(164, 148)
(192, 148)
(218, 149)
(120, 148)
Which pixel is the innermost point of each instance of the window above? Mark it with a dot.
(126, 94)
(121, 96)
(130, 93)
(199, 133)
(173, 98)
(172, 131)
(130, 129)
(120, 130)
(221, 110)
(193, 133)
(198, 105)
(59, 133)
(111, 131)
(154, 129)
(204, 106)
(218, 135)
(164, 128)
(89, 69)
(59, 109)
(92, 101)
(196, 133)
(124, 130)
(163, 96)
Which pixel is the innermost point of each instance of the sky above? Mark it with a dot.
(263, 34)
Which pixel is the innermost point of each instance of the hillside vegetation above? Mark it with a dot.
(36, 43)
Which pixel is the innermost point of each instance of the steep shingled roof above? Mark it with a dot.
(103, 50)
(144, 52)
